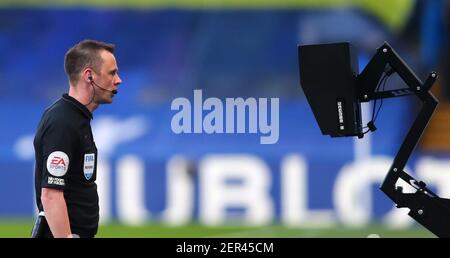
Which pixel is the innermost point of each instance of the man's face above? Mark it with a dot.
(107, 77)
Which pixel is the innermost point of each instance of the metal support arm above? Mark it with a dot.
(425, 207)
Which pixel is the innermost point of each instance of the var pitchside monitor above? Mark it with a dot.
(328, 76)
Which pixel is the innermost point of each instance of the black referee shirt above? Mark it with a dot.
(66, 159)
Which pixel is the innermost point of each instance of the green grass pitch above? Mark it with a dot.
(21, 228)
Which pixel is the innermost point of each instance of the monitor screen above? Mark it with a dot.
(328, 77)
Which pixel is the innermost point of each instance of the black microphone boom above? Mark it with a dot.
(112, 91)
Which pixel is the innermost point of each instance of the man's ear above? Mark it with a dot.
(87, 75)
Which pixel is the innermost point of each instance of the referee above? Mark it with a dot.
(65, 151)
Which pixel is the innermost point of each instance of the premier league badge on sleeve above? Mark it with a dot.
(89, 163)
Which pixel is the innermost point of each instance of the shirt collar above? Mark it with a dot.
(77, 104)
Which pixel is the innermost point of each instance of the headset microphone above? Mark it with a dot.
(92, 81)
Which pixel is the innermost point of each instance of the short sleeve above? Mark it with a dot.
(57, 147)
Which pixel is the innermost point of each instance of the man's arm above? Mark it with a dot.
(55, 209)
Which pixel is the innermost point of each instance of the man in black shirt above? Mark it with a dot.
(65, 151)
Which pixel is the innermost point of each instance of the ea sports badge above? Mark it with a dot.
(89, 163)
(57, 163)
